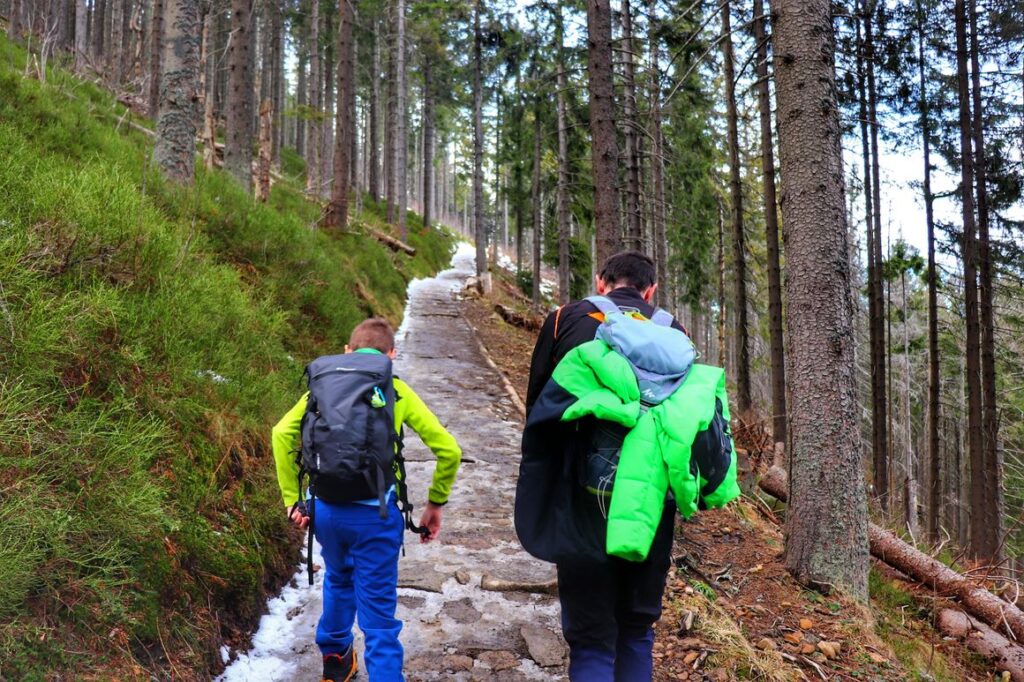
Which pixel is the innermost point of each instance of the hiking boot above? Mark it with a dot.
(340, 667)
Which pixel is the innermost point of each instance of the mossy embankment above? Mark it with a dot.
(150, 336)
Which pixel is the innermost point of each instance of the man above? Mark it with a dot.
(609, 604)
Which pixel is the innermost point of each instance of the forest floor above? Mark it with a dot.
(731, 609)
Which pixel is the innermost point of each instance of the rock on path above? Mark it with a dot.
(454, 629)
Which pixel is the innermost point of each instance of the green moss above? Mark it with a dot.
(151, 334)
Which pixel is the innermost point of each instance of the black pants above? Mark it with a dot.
(606, 605)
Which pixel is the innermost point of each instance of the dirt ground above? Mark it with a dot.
(731, 609)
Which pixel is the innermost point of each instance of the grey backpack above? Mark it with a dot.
(350, 449)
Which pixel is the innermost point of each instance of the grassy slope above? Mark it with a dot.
(150, 336)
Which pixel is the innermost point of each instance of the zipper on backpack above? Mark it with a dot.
(344, 370)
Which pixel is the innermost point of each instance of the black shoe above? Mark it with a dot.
(340, 667)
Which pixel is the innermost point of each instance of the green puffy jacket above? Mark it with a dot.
(682, 444)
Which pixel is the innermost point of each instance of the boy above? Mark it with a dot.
(360, 548)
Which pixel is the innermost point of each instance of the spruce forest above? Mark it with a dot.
(198, 197)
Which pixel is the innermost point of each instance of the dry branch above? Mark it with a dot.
(522, 320)
(391, 242)
(983, 640)
(915, 564)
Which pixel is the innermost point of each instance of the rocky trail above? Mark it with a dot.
(474, 604)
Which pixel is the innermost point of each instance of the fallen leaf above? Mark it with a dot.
(806, 624)
(756, 569)
(690, 657)
(794, 637)
(830, 649)
(876, 658)
(767, 645)
(807, 649)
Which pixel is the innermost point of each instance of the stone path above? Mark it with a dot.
(455, 629)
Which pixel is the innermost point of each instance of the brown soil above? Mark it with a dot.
(749, 619)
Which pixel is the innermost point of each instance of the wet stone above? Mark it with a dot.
(421, 576)
(545, 647)
(410, 602)
(457, 663)
(499, 660)
(461, 611)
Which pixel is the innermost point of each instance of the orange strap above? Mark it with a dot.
(558, 317)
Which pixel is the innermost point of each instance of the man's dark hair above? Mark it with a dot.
(629, 268)
(374, 333)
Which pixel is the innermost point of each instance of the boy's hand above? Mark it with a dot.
(298, 515)
(431, 520)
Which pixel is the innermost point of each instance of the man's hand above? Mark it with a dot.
(431, 520)
(298, 515)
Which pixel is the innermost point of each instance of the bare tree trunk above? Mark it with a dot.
(14, 21)
(99, 21)
(238, 145)
(604, 147)
(175, 149)
(743, 398)
(934, 385)
(263, 160)
(826, 540)
(401, 118)
(538, 226)
(156, 31)
(81, 24)
(428, 142)
(990, 414)
(771, 228)
(479, 230)
(206, 78)
(374, 155)
(328, 104)
(562, 192)
(277, 92)
(390, 133)
(657, 154)
(314, 84)
(722, 305)
(980, 495)
(634, 214)
(337, 210)
(301, 93)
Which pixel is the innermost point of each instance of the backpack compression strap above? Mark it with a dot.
(402, 489)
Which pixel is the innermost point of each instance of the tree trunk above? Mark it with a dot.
(562, 193)
(337, 209)
(657, 154)
(826, 540)
(328, 105)
(479, 230)
(81, 24)
(238, 144)
(604, 147)
(277, 94)
(538, 226)
(156, 32)
(771, 228)
(983, 640)
(722, 305)
(14, 21)
(390, 132)
(207, 68)
(263, 160)
(374, 155)
(934, 385)
(99, 22)
(301, 92)
(990, 414)
(314, 84)
(634, 214)
(175, 149)
(981, 546)
(428, 143)
(743, 398)
(401, 121)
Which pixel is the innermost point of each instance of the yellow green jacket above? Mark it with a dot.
(410, 410)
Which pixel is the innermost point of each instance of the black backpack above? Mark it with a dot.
(350, 450)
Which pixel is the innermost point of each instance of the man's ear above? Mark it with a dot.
(348, 349)
(393, 353)
(648, 293)
(600, 286)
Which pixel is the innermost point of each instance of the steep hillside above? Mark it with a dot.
(150, 336)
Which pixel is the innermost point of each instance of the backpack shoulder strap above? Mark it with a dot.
(662, 318)
(604, 304)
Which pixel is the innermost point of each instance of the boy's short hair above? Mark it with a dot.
(629, 268)
(376, 333)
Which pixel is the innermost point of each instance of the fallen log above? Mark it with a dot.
(982, 639)
(391, 242)
(915, 564)
(523, 321)
(493, 584)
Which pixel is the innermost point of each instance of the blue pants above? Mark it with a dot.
(360, 552)
(608, 611)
